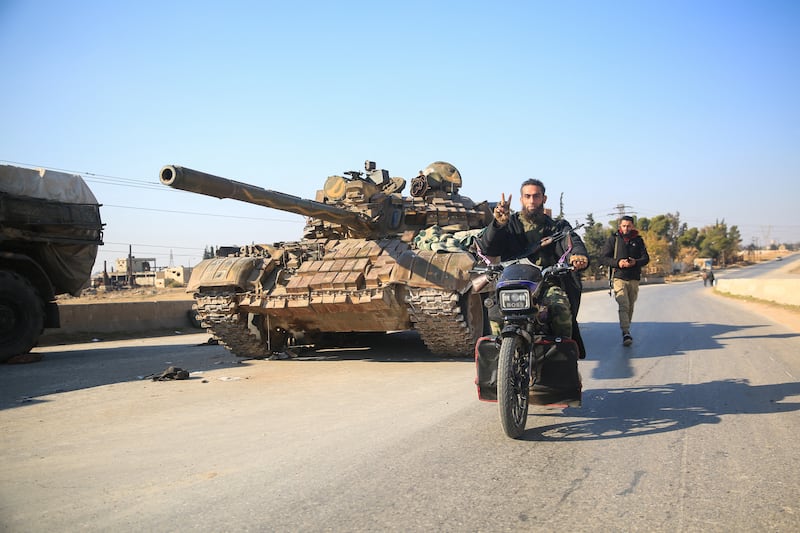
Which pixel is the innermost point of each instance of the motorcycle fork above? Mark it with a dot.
(529, 345)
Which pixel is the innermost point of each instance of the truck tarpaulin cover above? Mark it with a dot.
(55, 216)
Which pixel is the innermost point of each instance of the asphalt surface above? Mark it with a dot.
(696, 427)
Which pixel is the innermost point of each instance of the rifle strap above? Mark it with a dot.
(611, 268)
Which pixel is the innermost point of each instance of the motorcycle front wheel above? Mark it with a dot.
(512, 386)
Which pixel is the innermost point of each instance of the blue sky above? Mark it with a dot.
(663, 106)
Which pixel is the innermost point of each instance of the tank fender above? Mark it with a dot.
(429, 269)
(239, 272)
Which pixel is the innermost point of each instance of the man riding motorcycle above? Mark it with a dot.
(526, 232)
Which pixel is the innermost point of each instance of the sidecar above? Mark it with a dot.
(555, 379)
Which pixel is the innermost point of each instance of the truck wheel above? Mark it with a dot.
(21, 315)
(194, 319)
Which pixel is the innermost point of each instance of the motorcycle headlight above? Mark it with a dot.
(515, 299)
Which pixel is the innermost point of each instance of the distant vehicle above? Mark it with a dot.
(779, 259)
(50, 229)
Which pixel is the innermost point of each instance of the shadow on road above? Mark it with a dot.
(631, 412)
(83, 366)
(659, 339)
(397, 346)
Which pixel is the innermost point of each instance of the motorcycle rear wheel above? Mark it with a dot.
(512, 386)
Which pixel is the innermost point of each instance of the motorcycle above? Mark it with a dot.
(526, 363)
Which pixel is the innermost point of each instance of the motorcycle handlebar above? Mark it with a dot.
(558, 269)
(497, 268)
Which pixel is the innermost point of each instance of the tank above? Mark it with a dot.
(50, 230)
(370, 260)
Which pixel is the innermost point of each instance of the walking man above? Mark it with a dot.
(625, 254)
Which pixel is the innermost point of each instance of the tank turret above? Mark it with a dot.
(359, 205)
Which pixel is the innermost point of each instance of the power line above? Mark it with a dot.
(150, 245)
(171, 211)
(622, 210)
(95, 177)
(142, 184)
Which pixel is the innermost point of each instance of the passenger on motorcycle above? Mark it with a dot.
(513, 234)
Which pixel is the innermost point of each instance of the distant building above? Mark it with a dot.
(143, 270)
(138, 265)
(144, 273)
(175, 276)
(701, 263)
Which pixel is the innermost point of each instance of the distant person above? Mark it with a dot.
(704, 275)
(625, 254)
(511, 234)
(709, 278)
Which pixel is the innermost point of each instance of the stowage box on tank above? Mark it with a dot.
(370, 260)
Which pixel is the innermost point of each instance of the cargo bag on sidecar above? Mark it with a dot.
(555, 380)
(487, 351)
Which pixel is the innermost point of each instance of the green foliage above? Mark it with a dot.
(658, 248)
(669, 228)
(689, 238)
(719, 242)
(594, 237)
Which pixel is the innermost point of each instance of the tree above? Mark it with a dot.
(690, 238)
(594, 237)
(686, 256)
(669, 228)
(719, 243)
(658, 248)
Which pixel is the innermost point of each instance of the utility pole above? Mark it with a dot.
(766, 232)
(131, 280)
(622, 210)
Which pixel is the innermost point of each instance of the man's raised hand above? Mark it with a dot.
(502, 210)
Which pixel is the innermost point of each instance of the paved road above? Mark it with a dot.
(696, 427)
(771, 269)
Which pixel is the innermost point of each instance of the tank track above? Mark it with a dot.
(218, 314)
(438, 317)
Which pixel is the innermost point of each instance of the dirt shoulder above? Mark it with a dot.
(787, 315)
(139, 294)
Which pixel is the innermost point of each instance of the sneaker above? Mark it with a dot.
(627, 340)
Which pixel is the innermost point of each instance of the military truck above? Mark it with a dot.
(370, 260)
(50, 230)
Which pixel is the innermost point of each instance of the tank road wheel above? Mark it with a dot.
(219, 313)
(512, 386)
(21, 315)
(449, 324)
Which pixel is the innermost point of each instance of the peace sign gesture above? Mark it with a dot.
(502, 210)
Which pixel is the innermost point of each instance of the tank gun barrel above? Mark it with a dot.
(198, 182)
